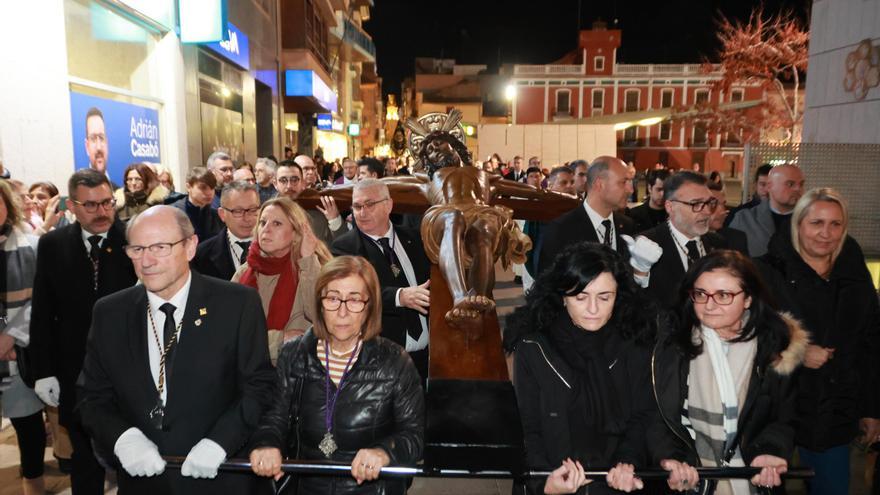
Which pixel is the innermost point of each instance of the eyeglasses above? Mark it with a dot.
(97, 138)
(698, 206)
(159, 250)
(286, 180)
(92, 206)
(333, 303)
(240, 212)
(366, 207)
(722, 297)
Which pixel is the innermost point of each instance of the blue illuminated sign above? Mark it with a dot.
(235, 47)
(325, 122)
(307, 83)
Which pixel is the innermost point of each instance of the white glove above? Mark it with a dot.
(48, 390)
(138, 455)
(203, 460)
(643, 252)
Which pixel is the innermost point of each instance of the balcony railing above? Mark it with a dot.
(548, 69)
(359, 38)
(657, 69)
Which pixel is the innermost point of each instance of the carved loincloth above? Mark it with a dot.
(510, 246)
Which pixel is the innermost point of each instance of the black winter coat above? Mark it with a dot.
(551, 407)
(381, 405)
(843, 313)
(766, 418)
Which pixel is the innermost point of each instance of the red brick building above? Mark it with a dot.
(647, 102)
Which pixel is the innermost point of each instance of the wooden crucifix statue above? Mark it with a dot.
(468, 225)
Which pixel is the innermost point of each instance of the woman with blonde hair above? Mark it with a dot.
(282, 263)
(820, 275)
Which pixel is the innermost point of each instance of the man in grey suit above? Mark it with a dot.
(786, 186)
(326, 222)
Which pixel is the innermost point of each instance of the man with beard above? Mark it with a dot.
(96, 143)
(76, 265)
(684, 238)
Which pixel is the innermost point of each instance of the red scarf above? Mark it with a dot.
(285, 291)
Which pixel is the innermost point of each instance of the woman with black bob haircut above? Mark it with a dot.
(723, 379)
(582, 347)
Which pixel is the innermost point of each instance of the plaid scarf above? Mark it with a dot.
(18, 257)
(717, 384)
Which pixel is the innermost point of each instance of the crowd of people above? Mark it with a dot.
(227, 321)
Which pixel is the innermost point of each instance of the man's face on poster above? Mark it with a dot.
(96, 143)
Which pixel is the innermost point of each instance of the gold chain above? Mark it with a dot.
(164, 350)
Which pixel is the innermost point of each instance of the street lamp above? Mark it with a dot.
(510, 92)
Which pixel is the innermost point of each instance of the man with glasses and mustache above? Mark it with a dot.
(76, 265)
(684, 238)
(221, 255)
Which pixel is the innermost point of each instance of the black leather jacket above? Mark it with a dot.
(381, 405)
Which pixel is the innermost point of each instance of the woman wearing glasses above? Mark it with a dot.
(141, 191)
(723, 379)
(282, 263)
(821, 273)
(371, 415)
(581, 370)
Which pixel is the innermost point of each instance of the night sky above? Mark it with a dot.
(541, 31)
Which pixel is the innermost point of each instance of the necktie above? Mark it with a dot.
(693, 252)
(245, 245)
(94, 255)
(607, 239)
(168, 332)
(393, 262)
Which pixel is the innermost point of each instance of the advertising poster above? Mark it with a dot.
(110, 135)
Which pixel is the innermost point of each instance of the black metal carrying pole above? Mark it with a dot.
(337, 469)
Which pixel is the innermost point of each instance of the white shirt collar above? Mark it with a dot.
(233, 238)
(595, 217)
(86, 234)
(388, 233)
(178, 299)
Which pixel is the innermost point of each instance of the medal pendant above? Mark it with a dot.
(327, 445)
(395, 270)
(157, 416)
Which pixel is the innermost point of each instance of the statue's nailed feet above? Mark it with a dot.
(468, 308)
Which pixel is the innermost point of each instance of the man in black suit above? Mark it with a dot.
(177, 366)
(652, 212)
(221, 255)
(684, 239)
(597, 220)
(76, 265)
(400, 261)
(518, 171)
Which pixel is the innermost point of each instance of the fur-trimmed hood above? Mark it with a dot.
(792, 356)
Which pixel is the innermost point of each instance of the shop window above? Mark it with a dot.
(107, 48)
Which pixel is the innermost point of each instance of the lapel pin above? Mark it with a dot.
(203, 311)
(198, 322)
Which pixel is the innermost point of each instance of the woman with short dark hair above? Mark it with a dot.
(346, 394)
(581, 346)
(723, 379)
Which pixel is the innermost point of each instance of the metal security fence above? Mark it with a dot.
(852, 169)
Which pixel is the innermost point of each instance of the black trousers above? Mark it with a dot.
(87, 474)
(31, 434)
